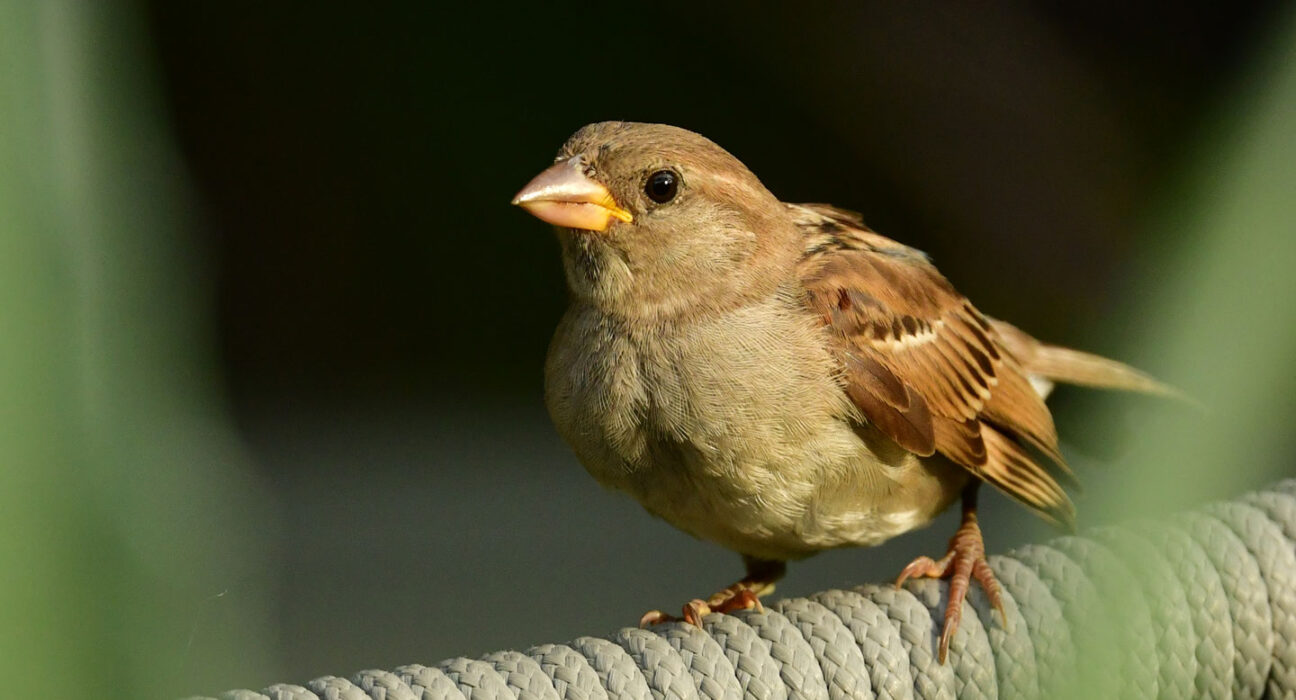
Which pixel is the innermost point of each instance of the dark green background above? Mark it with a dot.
(354, 166)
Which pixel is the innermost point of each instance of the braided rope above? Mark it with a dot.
(1202, 606)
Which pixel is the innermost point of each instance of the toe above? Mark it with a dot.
(655, 617)
(919, 568)
(953, 611)
(740, 600)
(695, 610)
(951, 626)
(985, 576)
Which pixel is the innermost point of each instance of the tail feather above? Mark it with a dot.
(1059, 364)
(1075, 367)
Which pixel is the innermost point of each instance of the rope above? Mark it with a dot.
(1201, 606)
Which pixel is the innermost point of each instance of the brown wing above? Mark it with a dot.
(924, 366)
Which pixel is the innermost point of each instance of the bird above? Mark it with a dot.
(780, 379)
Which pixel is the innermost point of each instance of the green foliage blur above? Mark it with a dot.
(125, 500)
(151, 544)
(1217, 315)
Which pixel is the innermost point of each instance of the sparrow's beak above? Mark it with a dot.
(563, 196)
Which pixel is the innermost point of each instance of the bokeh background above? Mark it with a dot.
(271, 338)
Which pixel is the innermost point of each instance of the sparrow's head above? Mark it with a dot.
(654, 218)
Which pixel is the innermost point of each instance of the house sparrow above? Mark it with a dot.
(778, 378)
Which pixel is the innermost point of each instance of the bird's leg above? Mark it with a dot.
(964, 561)
(743, 595)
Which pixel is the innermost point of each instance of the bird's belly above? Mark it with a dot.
(749, 444)
(836, 494)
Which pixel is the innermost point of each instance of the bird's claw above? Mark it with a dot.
(964, 561)
(742, 599)
(695, 610)
(655, 617)
(725, 601)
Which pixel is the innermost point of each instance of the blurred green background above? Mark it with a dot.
(271, 338)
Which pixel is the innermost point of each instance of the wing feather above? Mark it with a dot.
(924, 366)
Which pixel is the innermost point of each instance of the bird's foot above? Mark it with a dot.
(964, 561)
(744, 595)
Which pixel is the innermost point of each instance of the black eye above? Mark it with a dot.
(662, 186)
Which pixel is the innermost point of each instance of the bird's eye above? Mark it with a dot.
(662, 186)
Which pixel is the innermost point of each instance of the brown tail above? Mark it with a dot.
(1069, 366)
